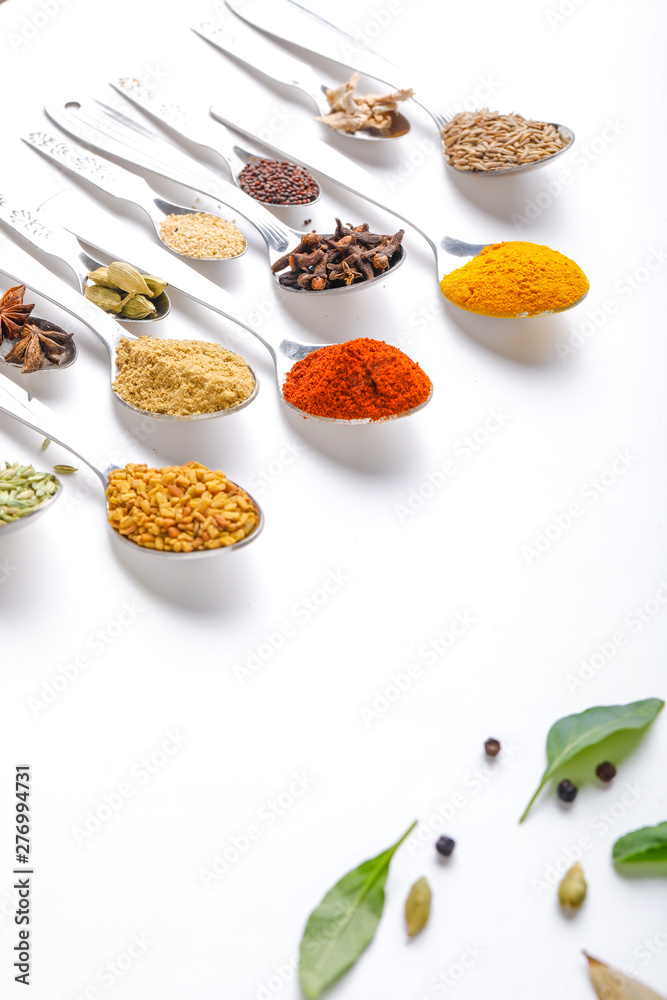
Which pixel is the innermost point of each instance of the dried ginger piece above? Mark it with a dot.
(349, 112)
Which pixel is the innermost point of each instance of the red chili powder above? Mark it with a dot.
(357, 380)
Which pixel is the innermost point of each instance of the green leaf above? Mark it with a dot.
(340, 929)
(647, 844)
(574, 733)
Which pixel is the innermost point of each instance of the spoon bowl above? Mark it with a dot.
(23, 269)
(68, 357)
(7, 527)
(519, 168)
(17, 403)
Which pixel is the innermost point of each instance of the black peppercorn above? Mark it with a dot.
(567, 792)
(605, 771)
(492, 747)
(445, 846)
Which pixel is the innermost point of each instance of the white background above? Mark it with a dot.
(573, 391)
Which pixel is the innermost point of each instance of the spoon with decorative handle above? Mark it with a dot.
(28, 410)
(21, 267)
(61, 243)
(285, 69)
(103, 128)
(107, 234)
(294, 23)
(236, 157)
(106, 175)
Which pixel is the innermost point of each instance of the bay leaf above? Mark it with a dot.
(647, 844)
(574, 733)
(340, 929)
(418, 907)
(610, 984)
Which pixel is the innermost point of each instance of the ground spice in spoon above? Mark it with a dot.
(516, 279)
(361, 379)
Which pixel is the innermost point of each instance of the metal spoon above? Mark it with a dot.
(61, 243)
(293, 22)
(23, 269)
(105, 232)
(285, 69)
(28, 410)
(127, 185)
(236, 157)
(317, 155)
(104, 128)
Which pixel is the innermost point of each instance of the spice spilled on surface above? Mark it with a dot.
(487, 141)
(202, 235)
(181, 377)
(180, 508)
(361, 379)
(516, 279)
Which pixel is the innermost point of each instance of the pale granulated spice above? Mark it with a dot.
(200, 234)
(486, 140)
(180, 377)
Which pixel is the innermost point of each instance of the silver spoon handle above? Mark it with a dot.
(28, 410)
(265, 59)
(175, 118)
(104, 175)
(108, 130)
(21, 267)
(52, 239)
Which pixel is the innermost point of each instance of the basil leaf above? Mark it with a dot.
(340, 929)
(647, 844)
(574, 733)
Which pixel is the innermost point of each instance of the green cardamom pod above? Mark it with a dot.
(156, 285)
(104, 297)
(127, 278)
(418, 907)
(572, 890)
(64, 469)
(100, 277)
(138, 307)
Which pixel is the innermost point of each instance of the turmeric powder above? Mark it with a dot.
(516, 279)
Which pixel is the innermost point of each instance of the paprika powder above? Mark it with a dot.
(360, 379)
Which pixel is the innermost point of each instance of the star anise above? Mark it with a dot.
(13, 312)
(36, 346)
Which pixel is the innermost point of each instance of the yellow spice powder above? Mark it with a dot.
(180, 377)
(516, 279)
